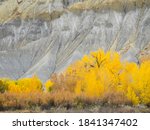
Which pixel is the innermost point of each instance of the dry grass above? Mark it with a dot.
(14, 101)
(118, 5)
(63, 82)
(58, 102)
(50, 16)
(58, 98)
(117, 98)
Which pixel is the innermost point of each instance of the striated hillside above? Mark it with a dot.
(44, 36)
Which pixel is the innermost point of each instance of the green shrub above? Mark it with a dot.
(3, 86)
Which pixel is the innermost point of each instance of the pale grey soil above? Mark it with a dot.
(38, 46)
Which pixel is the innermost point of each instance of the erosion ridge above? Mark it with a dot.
(45, 36)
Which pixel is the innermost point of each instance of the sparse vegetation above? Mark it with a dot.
(118, 5)
(99, 78)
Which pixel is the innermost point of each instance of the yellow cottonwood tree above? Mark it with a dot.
(99, 73)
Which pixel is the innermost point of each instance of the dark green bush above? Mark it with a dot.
(3, 86)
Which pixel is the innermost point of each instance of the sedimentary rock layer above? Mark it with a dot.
(45, 36)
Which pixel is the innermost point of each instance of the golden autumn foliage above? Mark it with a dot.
(100, 73)
(24, 85)
(48, 85)
(97, 77)
(3, 86)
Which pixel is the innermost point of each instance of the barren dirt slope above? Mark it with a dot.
(45, 36)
